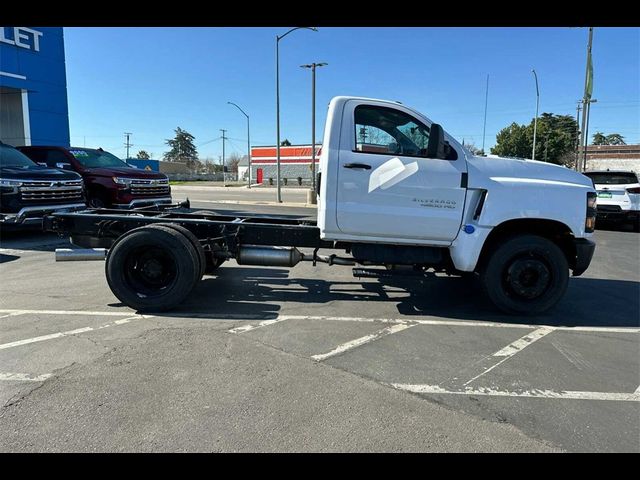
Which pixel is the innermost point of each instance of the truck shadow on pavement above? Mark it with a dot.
(256, 294)
(32, 239)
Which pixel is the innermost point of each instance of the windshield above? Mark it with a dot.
(613, 178)
(96, 158)
(10, 157)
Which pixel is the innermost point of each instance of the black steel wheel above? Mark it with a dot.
(152, 268)
(526, 275)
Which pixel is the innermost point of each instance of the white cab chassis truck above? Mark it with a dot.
(397, 195)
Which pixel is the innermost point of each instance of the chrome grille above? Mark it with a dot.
(150, 187)
(150, 190)
(51, 191)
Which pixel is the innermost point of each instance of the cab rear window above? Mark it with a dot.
(613, 178)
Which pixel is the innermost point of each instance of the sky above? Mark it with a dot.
(148, 81)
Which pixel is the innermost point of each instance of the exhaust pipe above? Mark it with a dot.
(80, 255)
(284, 257)
(269, 256)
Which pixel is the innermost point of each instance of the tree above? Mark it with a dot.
(285, 143)
(599, 139)
(471, 146)
(182, 149)
(232, 162)
(615, 139)
(513, 141)
(143, 155)
(556, 136)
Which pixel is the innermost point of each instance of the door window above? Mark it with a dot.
(388, 131)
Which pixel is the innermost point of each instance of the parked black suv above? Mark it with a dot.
(29, 191)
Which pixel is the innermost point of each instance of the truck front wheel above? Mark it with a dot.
(152, 268)
(525, 275)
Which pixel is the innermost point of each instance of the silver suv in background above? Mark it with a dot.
(618, 196)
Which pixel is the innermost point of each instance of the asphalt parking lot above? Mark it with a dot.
(313, 359)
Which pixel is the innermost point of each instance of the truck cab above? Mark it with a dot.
(110, 182)
(390, 175)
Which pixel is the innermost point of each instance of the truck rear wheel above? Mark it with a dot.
(202, 259)
(152, 268)
(526, 275)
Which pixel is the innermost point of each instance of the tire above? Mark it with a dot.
(202, 259)
(97, 200)
(525, 275)
(152, 268)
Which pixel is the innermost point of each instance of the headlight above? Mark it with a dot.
(122, 181)
(5, 182)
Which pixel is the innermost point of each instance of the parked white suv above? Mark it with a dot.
(618, 195)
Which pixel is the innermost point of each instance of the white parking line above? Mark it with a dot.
(510, 350)
(523, 342)
(16, 252)
(563, 395)
(264, 323)
(64, 312)
(279, 318)
(24, 377)
(67, 333)
(11, 314)
(461, 323)
(362, 341)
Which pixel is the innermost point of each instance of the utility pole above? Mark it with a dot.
(586, 134)
(313, 66)
(126, 143)
(223, 139)
(535, 122)
(486, 102)
(588, 89)
(577, 160)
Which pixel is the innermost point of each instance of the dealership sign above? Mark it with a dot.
(22, 37)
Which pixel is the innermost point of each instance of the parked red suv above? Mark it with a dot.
(109, 182)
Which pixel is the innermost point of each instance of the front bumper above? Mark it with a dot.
(604, 213)
(33, 214)
(584, 254)
(140, 202)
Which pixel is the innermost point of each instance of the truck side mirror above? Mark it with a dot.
(435, 147)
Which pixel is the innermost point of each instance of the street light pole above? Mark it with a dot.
(577, 160)
(278, 38)
(484, 128)
(248, 139)
(313, 66)
(535, 122)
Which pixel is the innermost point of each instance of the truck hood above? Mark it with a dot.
(125, 172)
(519, 170)
(37, 172)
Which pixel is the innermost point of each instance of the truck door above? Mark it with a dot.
(387, 187)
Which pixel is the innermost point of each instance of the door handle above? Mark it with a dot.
(357, 165)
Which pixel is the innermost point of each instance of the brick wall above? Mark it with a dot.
(614, 164)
